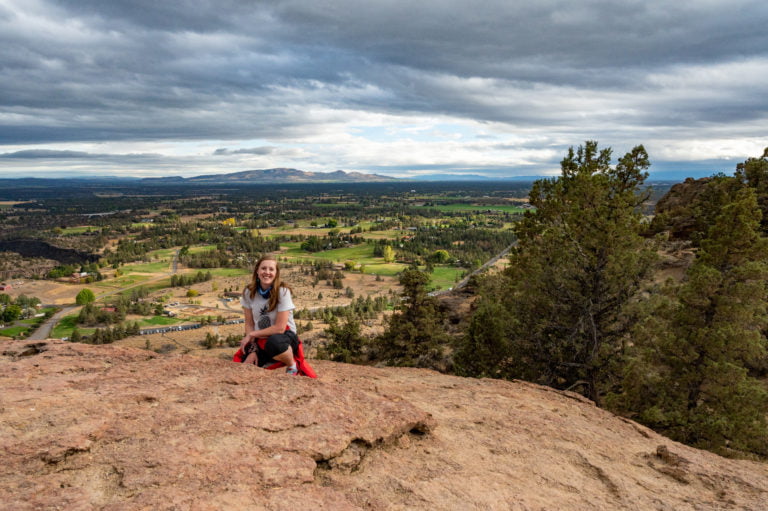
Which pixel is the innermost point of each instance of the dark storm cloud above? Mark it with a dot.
(46, 154)
(254, 150)
(194, 70)
(37, 154)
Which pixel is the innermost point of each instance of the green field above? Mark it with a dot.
(163, 253)
(386, 269)
(120, 282)
(78, 230)
(444, 277)
(227, 272)
(65, 326)
(159, 321)
(158, 267)
(202, 248)
(455, 208)
(151, 287)
(13, 331)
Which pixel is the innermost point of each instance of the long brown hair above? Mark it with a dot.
(277, 284)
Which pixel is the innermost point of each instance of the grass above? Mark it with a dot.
(383, 235)
(13, 331)
(385, 269)
(159, 320)
(444, 277)
(127, 280)
(162, 253)
(78, 230)
(227, 272)
(157, 267)
(151, 287)
(453, 208)
(65, 326)
(203, 248)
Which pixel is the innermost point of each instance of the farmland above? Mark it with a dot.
(334, 242)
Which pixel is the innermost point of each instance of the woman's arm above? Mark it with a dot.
(249, 325)
(281, 322)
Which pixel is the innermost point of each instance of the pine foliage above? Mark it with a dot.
(692, 376)
(556, 317)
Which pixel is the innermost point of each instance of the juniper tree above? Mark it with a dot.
(345, 342)
(414, 335)
(754, 173)
(690, 375)
(555, 315)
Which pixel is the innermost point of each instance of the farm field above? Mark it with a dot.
(476, 207)
(220, 236)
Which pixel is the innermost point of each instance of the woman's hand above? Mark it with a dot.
(244, 342)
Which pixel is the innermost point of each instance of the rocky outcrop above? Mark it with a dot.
(104, 427)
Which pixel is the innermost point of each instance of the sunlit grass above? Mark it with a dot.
(454, 208)
(227, 272)
(156, 267)
(444, 277)
(13, 331)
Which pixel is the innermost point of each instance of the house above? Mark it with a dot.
(78, 275)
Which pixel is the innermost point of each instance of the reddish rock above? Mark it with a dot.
(103, 427)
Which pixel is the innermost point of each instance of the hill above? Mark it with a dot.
(268, 176)
(104, 427)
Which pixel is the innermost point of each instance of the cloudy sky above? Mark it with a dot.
(400, 88)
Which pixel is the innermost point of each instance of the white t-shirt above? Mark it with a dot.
(258, 305)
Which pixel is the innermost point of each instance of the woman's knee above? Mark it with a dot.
(277, 344)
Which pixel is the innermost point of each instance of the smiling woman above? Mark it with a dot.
(271, 338)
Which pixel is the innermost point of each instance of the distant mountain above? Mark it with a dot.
(269, 176)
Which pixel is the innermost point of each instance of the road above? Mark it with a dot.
(44, 331)
(463, 282)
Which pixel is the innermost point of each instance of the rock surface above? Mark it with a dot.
(102, 427)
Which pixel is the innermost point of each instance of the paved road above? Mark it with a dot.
(44, 331)
(463, 282)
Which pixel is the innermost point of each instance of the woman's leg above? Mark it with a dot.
(281, 347)
(286, 357)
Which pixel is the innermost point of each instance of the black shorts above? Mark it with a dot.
(275, 345)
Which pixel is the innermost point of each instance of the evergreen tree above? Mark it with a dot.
(414, 335)
(76, 336)
(555, 315)
(690, 378)
(345, 342)
(754, 173)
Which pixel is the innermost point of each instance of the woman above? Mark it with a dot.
(268, 308)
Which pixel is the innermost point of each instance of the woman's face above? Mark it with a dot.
(267, 273)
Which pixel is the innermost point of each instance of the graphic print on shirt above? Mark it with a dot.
(264, 321)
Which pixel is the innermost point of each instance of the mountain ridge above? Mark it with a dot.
(274, 175)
